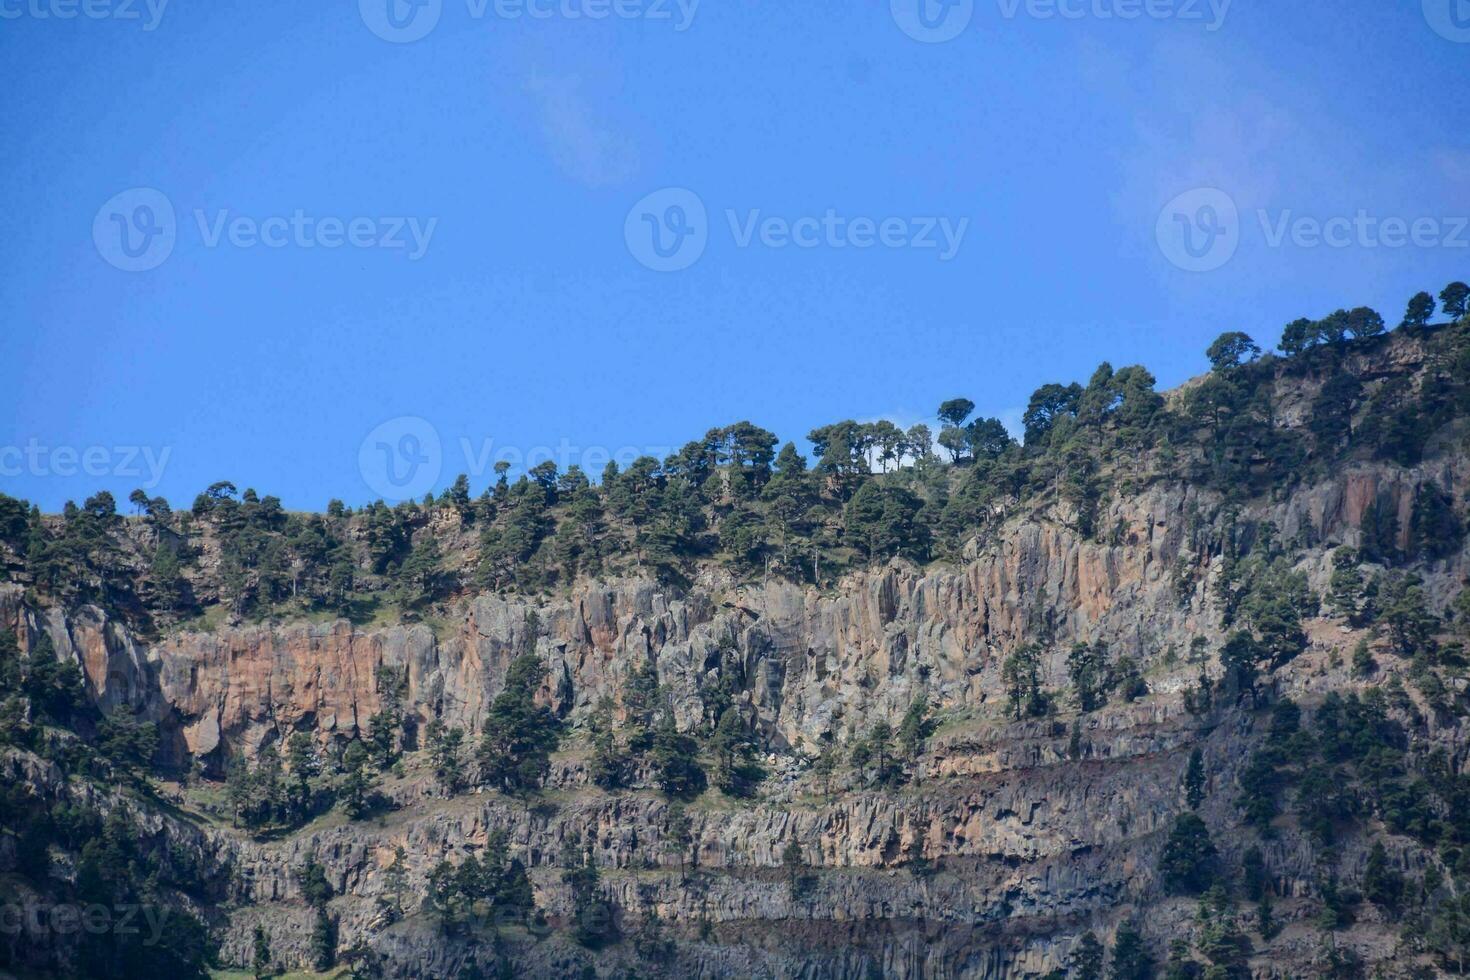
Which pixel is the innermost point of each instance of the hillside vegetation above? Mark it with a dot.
(1176, 686)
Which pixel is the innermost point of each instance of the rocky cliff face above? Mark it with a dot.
(810, 664)
(1014, 838)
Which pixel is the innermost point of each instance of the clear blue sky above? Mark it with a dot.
(528, 320)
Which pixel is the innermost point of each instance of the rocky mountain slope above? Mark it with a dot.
(1016, 833)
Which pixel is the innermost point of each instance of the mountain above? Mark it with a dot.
(1177, 687)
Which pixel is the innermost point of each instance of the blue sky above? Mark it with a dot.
(518, 147)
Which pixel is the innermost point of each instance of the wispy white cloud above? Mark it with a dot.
(1214, 129)
(581, 145)
(1454, 167)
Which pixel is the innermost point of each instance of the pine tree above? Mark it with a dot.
(519, 734)
(798, 879)
(1088, 667)
(1266, 923)
(1456, 299)
(1253, 874)
(641, 700)
(1021, 674)
(420, 580)
(1382, 885)
(1188, 863)
(1086, 960)
(1131, 957)
(873, 756)
(260, 958)
(732, 770)
(323, 943)
(1363, 663)
(1179, 965)
(1345, 588)
(1435, 529)
(675, 762)
(824, 765)
(915, 728)
(54, 686)
(382, 738)
(610, 764)
(444, 747)
(305, 767)
(594, 925)
(441, 896)
(1420, 311)
(1459, 613)
(679, 835)
(357, 785)
(1194, 780)
(312, 879)
(1227, 949)
(395, 881)
(1403, 607)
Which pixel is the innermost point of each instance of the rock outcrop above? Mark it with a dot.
(1014, 838)
(810, 664)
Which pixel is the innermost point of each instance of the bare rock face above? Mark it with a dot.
(810, 664)
(1015, 838)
